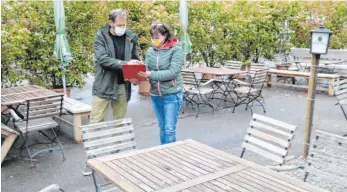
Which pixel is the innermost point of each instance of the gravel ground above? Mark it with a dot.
(315, 180)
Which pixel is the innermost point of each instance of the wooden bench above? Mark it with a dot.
(335, 60)
(283, 73)
(11, 136)
(77, 109)
(327, 157)
(269, 137)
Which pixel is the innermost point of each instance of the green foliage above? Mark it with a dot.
(28, 38)
(219, 31)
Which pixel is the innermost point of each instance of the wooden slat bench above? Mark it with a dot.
(328, 157)
(283, 73)
(77, 109)
(11, 136)
(336, 60)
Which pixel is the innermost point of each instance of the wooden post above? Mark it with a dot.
(310, 103)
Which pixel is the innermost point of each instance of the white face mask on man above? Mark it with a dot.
(120, 30)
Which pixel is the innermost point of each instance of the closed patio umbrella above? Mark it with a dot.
(61, 47)
(183, 15)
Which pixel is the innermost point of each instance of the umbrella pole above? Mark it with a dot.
(64, 82)
(310, 102)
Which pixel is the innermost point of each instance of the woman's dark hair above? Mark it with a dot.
(163, 29)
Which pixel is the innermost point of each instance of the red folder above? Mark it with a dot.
(130, 71)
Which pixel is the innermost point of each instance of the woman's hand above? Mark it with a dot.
(146, 74)
(134, 81)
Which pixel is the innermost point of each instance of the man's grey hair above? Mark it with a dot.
(117, 13)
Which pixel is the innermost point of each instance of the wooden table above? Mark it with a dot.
(215, 71)
(222, 85)
(16, 95)
(191, 166)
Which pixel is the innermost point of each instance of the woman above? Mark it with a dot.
(164, 61)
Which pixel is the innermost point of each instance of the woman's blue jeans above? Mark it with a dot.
(166, 109)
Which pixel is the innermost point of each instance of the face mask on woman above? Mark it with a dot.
(158, 42)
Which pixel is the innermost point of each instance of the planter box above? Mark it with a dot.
(283, 66)
(68, 90)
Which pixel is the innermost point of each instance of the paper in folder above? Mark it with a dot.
(130, 71)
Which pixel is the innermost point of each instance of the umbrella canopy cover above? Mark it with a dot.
(61, 47)
(183, 15)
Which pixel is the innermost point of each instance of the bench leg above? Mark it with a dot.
(77, 121)
(7, 145)
(331, 87)
(268, 81)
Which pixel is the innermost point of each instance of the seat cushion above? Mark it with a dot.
(245, 90)
(203, 91)
(37, 124)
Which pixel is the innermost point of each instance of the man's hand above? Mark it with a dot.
(134, 81)
(146, 74)
(134, 62)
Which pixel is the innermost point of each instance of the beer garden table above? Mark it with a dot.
(191, 166)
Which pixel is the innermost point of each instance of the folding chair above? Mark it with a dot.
(269, 138)
(37, 116)
(340, 92)
(327, 158)
(233, 65)
(106, 138)
(247, 93)
(195, 92)
(236, 65)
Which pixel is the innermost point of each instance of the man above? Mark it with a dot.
(114, 45)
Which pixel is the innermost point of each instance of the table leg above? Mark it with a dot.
(77, 121)
(331, 87)
(5, 147)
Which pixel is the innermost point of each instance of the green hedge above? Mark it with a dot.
(219, 31)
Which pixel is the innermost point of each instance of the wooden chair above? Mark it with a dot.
(236, 65)
(327, 157)
(283, 59)
(269, 137)
(11, 136)
(233, 65)
(340, 92)
(248, 93)
(195, 89)
(37, 116)
(106, 138)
